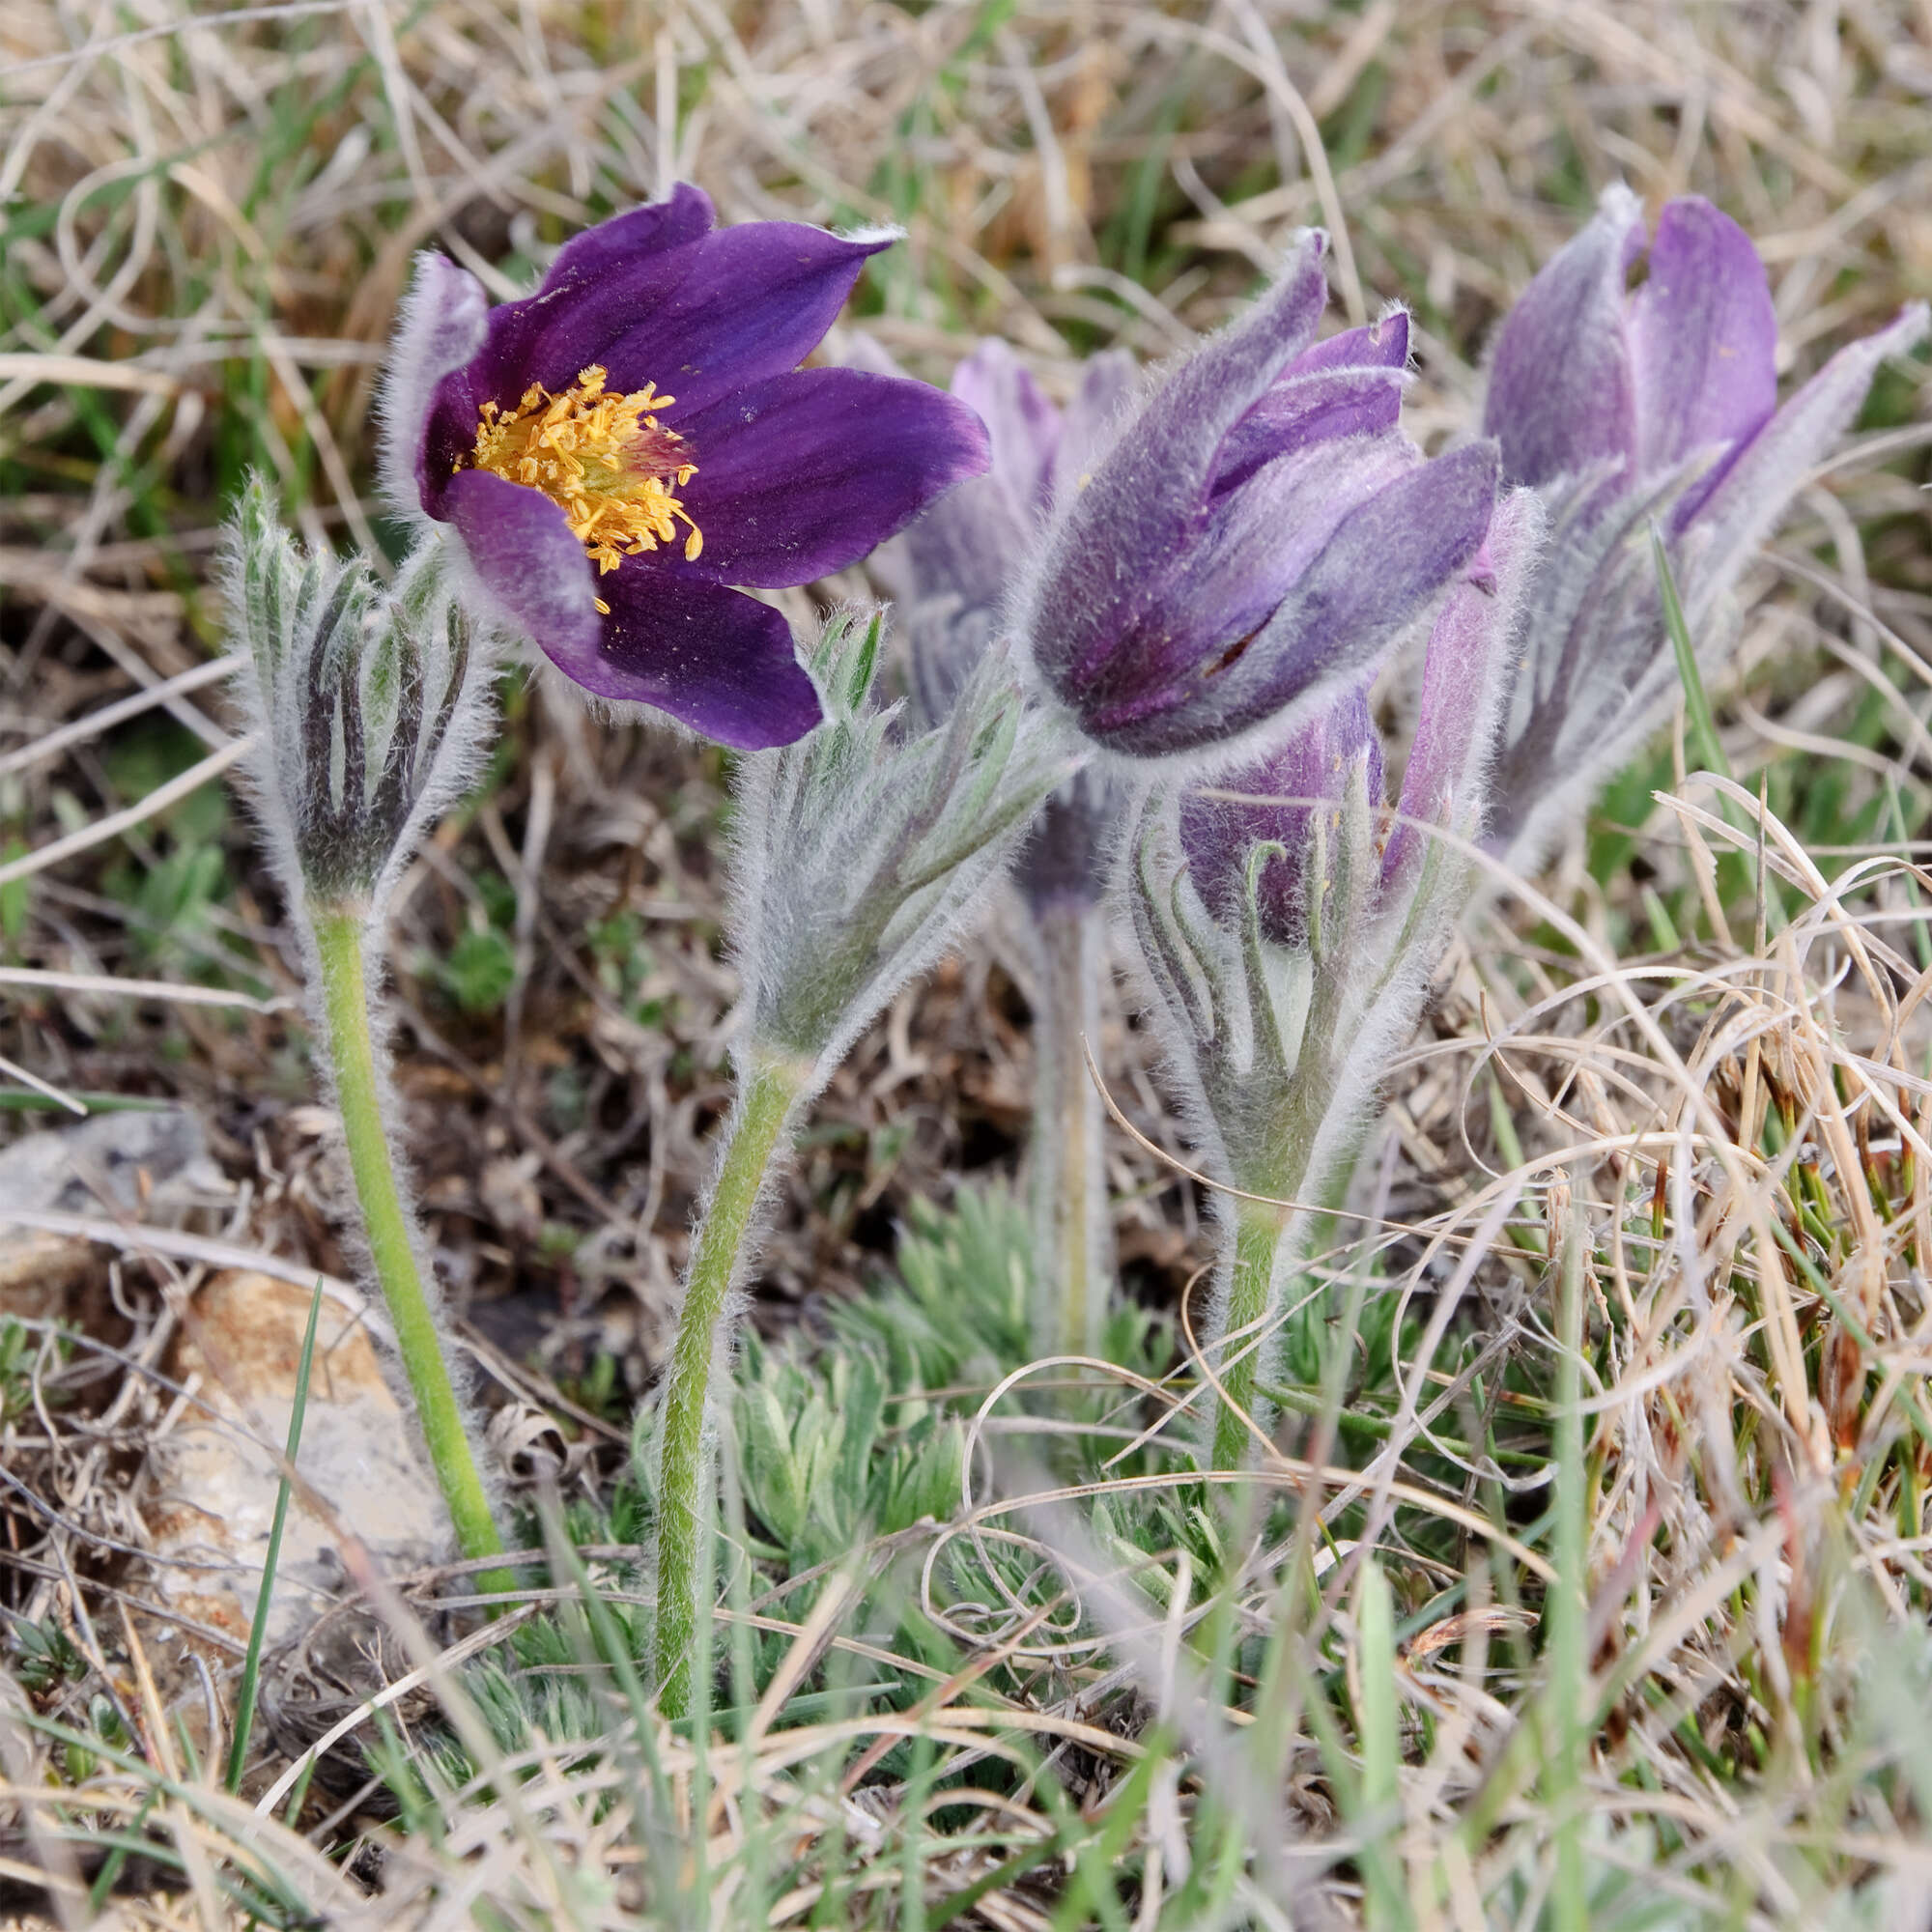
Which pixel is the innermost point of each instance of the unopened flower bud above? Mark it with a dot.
(1289, 926)
(370, 702)
(1628, 407)
(1254, 538)
(1275, 802)
(863, 853)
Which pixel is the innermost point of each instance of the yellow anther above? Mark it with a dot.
(606, 460)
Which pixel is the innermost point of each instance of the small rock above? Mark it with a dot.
(151, 1165)
(138, 1161)
(216, 1487)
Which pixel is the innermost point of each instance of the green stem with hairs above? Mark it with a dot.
(1257, 1235)
(345, 1002)
(769, 1092)
(1072, 1263)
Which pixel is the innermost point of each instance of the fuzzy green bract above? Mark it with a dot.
(373, 702)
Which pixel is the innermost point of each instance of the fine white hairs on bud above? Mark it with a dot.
(371, 705)
(862, 855)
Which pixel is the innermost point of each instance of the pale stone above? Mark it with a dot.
(216, 1482)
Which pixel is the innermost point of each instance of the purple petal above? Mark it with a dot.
(1703, 339)
(532, 568)
(1025, 427)
(1740, 512)
(1146, 499)
(806, 472)
(1230, 580)
(1321, 406)
(1372, 579)
(1093, 420)
(443, 321)
(720, 662)
(625, 240)
(1561, 389)
(1466, 678)
(756, 304)
(1382, 344)
(1313, 763)
(551, 338)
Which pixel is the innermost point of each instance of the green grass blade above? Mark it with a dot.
(251, 1664)
(1698, 717)
(1378, 1726)
(1566, 1739)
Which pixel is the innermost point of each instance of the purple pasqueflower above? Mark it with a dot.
(961, 559)
(1253, 538)
(1628, 408)
(956, 566)
(616, 451)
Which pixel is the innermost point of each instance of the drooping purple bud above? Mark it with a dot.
(1626, 408)
(1275, 800)
(1254, 538)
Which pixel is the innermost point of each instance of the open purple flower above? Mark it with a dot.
(613, 453)
(1631, 407)
(1254, 538)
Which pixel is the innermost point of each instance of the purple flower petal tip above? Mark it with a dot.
(1562, 393)
(1466, 679)
(1703, 338)
(617, 449)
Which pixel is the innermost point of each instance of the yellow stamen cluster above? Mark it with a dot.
(606, 460)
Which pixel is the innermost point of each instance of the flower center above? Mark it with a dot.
(605, 461)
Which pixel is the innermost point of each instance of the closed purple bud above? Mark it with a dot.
(1255, 537)
(1279, 797)
(1627, 407)
(1585, 372)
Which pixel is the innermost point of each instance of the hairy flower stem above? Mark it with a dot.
(1072, 1245)
(345, 1001)
(769, 1092)
(1258, 1237)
